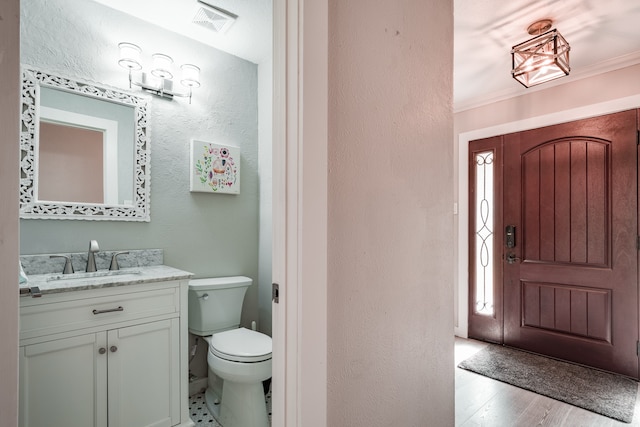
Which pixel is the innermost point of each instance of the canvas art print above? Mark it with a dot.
(215, 168)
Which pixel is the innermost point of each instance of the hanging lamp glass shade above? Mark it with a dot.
(129, 56)
(190, 75)
(162, 66)
(540, 59)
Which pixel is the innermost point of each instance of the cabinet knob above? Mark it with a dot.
(113, 349)
(102, 350)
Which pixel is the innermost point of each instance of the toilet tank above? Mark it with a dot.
(215, 304)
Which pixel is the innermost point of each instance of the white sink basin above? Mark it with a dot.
(103, 273)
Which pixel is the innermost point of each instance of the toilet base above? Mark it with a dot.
(234, 410)
(210, 399)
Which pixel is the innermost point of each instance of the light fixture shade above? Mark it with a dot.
(190, 75)
(162, 66)
(129, 56)
(540, 59)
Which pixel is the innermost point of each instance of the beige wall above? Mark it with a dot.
(390, 184)
(9, 110)
(72, 160)
(575, 99)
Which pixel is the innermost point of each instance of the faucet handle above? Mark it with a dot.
(114, 260)
(68, 267)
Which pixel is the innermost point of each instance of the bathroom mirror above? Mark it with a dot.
(84, 152)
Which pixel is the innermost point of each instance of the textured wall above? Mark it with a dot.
(9, 116)
(390, 284)
(207, 234)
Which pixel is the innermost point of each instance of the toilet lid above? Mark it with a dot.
(241, 345)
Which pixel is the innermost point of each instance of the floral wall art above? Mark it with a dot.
(215, 168)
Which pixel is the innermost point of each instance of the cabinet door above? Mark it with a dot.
(144, 376)
(62, 382)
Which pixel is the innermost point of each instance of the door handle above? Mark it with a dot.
(512, 258)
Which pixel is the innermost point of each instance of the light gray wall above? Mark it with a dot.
(207, 234)
(9, 116)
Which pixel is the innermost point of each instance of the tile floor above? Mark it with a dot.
(200, 414)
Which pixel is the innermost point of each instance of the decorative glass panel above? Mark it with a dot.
(484, 233)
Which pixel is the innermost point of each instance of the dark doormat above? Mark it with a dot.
(611, 395)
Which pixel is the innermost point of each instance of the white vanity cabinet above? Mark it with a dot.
(108, 357)
(62, 382)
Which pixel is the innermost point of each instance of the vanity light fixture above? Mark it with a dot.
(543, 58)
(159, 80)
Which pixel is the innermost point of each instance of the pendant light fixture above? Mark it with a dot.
(543, 58)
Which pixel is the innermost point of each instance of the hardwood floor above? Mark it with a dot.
(481, 401)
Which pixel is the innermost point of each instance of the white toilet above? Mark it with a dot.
(239, 356)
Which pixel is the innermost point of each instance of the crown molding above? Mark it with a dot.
(583, 73)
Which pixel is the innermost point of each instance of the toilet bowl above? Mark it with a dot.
(240, 357)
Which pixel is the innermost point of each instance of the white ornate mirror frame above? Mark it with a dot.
(30, 206)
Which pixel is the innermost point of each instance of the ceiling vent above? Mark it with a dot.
(214, 18)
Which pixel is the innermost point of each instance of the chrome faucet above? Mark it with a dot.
(91, 259)
(68, 267)
(114, 260)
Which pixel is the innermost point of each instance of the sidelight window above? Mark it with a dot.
(484, 233)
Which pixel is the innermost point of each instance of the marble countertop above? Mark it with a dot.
(55, 283)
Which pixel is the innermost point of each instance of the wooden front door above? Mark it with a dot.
(570, 270)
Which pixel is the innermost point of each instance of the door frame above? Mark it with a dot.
(300, 139)
(9, 223)
(462, 274)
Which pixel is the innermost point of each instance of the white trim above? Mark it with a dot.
(463, 180)
(279, 361)
(279, 219)
(313, 96)
(300, 212)
(9, 224)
